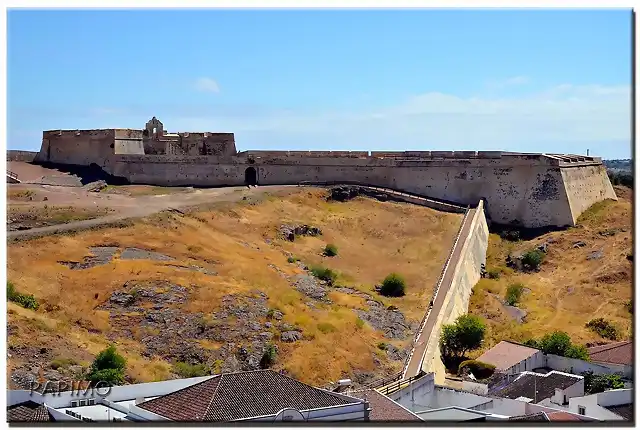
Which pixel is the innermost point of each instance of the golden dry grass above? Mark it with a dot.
(373, 239)
(570, 289)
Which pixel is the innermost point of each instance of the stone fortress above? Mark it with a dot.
(521, 189)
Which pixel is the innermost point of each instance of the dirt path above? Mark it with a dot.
(415, 363)
(152, 204)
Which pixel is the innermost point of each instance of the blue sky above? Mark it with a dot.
(518, 80)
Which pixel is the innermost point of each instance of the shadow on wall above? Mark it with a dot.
(515, 232)
(87, 174)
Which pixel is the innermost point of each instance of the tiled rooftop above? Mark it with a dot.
(625, 411)
(383, 408)
(236, 396)
(617, 353)
(507, 354)
(559, 416)
(28, 412)
(535, 386)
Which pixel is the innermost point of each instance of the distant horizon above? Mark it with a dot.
(544, 81)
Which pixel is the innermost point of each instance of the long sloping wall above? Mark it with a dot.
(525, 190)
(456, 302)
(586, 185)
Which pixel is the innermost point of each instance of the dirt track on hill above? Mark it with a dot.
(128, 207)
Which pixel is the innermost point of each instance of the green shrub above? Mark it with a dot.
(186, 370)
(599, 383)
(325, 274)
(393, 286)
(359, 323)
(578, 352)
(24, 300)
(532, 260)
(479, 369)
(604, 328)
(464, 335)
(269, 357)
(331, 250)
(514, 292)
(325, 327)
(382, 346)
(291, 260)
(108, 366)
(494, 273)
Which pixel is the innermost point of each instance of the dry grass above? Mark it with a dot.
(374, 239)
(143, 190)
(54, 214)
(569, 290)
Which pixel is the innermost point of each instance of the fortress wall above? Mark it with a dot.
(79, 147)
(127, 133)
(177, 173)
(529, 191)
(25, 156)
(456, 303)
(520, 189)
(585, 185)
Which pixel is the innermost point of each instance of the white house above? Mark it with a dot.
(612, 405)
(511, 357)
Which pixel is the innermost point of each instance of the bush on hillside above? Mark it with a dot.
(325, 274)
(186, 370)
(269, 357)
(330, 250)
(604, 328)
(514, 292)
(393, 286)
(494, 273)
(532, 260)
(24, 300)
(479, 369)
(108, 367)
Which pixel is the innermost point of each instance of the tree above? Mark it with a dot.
(577, 351)
(393, 286)
(555, 343)
(466, 334)
(598, 383)
(108, 367)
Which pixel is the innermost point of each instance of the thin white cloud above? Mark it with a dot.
(556, 119)
(207, 85)
(516, 80)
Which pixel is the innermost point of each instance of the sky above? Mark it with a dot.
(516, 80)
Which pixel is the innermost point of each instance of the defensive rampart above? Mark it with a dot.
(526, 190)
(529, 190)
(466, 273)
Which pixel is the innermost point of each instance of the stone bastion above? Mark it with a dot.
(521, 189)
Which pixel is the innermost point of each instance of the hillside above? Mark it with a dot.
(586, 274)
(212, 290)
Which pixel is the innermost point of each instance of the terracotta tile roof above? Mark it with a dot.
(617, 353)
(538, 416)
(559, 416)
(625, 411)
(383, 408)
(536, 386)
(28, 411)
(236, 396)
(507, 354)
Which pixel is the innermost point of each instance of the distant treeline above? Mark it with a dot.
(621, 178)
(624, 164)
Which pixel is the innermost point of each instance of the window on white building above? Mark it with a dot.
(582, 410)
